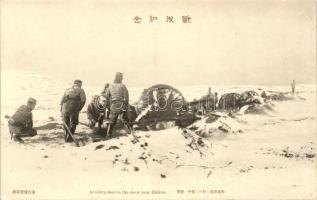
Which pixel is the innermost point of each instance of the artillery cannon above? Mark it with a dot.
(232, 102)
(162, 106)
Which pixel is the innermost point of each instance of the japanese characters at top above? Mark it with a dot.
(168, 19)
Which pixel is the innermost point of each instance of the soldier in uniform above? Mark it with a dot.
(107, 101)
(72, 103)
(104, 91)
(21, 123)
(96, 111)
(209, 91)
(118, 96)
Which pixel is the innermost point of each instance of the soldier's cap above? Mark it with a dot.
(78, 81)
(118, 78)
(31, 100)
(119, 74)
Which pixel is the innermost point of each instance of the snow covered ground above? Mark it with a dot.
(258, 156)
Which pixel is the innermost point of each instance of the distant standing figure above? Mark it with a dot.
(104, 91)
(215, 101)
(293, 86)
(209, 91)
(118, 96)
(211, 102)
(21, 123)
(72, 103)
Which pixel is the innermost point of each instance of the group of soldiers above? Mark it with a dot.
(114, 103)
(115, 98)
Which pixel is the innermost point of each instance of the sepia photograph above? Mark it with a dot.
(157, 99)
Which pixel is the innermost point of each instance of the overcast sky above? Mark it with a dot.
(228, 42)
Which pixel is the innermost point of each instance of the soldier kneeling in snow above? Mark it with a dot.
(21, 123)
(96, 111)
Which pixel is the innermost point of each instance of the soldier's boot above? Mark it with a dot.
(104, 132)
(17, 138)
(73, 129)
(11, 133)
(65, 134)
(68, 137)
(128, 128)
(109, 130)
(99, 126)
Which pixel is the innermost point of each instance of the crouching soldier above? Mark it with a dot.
(118, 96)
(72, 103)
(21, 123)
(96, 111)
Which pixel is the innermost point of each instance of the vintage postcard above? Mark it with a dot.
(143, 99)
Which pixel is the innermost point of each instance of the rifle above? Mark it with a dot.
(70, 133)
(84, 124)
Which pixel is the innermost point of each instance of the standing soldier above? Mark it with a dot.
(293, 86)
(209, 91)
(118, 96)
(72, 102)
(21, 123)
(107, 103)
(210, 101)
